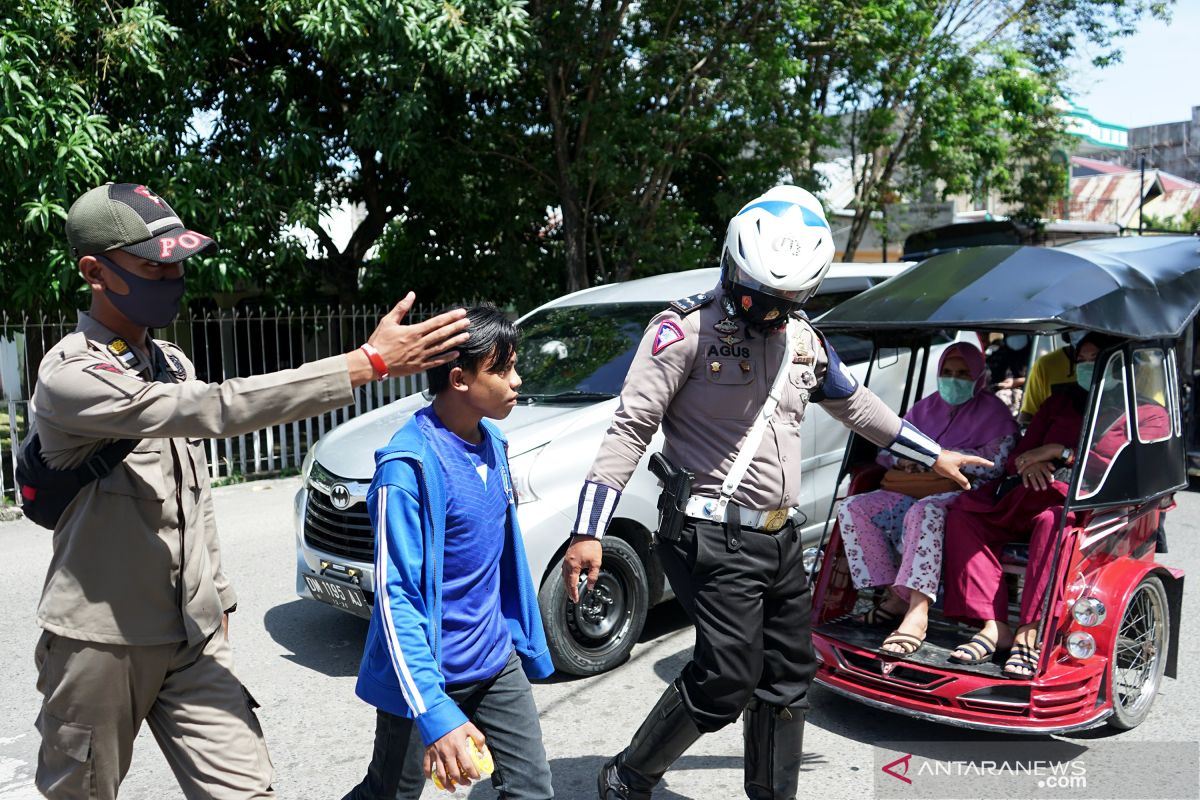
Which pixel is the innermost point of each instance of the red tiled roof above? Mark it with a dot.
(1104, 167)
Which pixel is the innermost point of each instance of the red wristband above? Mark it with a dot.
(377, 362)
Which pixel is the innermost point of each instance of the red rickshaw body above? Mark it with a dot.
(1105, 552)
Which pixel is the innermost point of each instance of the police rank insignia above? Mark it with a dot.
(802, 355)
(732, 340)
(726, 327)
(687, 305)
(120, 348)
(668, 334)
(715, 367)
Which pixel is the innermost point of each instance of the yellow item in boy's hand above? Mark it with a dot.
(481, 759)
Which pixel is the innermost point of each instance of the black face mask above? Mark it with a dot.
(150, 303)
(759, 309)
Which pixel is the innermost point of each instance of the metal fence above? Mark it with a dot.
(221, 345)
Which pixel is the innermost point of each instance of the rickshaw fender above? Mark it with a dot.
(1124, 576)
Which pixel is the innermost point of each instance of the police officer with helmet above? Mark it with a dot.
(728, 375)
(135, 606)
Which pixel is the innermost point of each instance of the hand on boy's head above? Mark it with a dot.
(409, 349)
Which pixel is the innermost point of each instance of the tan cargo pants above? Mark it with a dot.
(95, 697)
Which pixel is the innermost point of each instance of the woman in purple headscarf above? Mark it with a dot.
(961, 416)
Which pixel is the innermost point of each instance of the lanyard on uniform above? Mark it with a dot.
(750, 446)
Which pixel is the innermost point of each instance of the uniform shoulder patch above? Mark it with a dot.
(839, 382)
(687, 305)
(102, 367)
(668, 333)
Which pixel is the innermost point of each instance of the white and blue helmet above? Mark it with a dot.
(777, 251)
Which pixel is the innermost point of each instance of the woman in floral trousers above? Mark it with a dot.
(961, 415)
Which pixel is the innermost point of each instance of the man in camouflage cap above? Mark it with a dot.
(135, 606)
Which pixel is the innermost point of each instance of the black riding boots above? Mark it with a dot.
(664, 736)
(774, 741)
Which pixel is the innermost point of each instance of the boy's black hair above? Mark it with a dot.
(493, 342)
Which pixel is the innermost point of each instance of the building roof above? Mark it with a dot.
(1114, 196)
(1082, 165)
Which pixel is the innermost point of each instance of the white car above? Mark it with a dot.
(574, 354)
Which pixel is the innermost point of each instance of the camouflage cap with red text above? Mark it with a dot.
(132, 218)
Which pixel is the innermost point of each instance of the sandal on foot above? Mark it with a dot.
(908, 644)
(1023, 657)
(978, 650)
(877, 617)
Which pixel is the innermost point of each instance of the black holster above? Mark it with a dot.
(672, 502)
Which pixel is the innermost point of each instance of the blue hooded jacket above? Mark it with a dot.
(401, 665)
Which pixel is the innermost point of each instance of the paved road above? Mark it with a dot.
(300, 659)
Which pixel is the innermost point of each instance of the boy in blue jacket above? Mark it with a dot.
(455, 628)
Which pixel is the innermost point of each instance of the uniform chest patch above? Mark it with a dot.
(668, 334)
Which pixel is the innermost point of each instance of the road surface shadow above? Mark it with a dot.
(576, 777)
(318, 637)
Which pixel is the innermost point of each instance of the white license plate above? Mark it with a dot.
(343, 595)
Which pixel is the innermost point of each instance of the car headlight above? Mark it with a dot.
(307, 466)
(1088, 612)
(1081, 645)
(812, 560)
(519, 468)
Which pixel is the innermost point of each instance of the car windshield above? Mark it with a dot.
(580, 353)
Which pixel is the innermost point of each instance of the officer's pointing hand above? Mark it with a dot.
(409, 349)
(950, 463)
(585, 553)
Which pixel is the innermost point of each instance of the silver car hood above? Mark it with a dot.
(348, 451)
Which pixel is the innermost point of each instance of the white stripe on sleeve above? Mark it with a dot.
(407, 685)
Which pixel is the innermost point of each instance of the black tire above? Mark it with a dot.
(598, 633)
(1139, 655)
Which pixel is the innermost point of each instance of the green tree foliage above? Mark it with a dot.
(57, 59)
(508, 148)
(1188, 222)
(951, 97)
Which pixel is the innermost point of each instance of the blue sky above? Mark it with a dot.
(1155, 81)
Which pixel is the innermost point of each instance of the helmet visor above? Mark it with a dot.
(736, 274)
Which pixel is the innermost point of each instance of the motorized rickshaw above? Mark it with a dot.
(1110, 623)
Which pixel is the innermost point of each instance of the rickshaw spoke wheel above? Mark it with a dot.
(1138, 659)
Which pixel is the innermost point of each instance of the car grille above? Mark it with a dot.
(340, 533)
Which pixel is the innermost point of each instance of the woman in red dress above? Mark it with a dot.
(1026, 503)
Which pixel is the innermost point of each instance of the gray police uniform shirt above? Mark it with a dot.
(700, 374)
(136, 559)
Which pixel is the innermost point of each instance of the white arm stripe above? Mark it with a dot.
(407, 685)
(597, 502)
(912, 444)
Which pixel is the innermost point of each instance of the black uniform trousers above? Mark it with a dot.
(751, 607)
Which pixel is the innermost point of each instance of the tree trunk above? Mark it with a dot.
(858, 229)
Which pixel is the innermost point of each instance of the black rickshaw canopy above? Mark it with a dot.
(1137, 287)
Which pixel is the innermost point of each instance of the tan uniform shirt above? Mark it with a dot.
(136, 559)
(705, 378)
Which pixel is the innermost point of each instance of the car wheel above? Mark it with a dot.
(597, 634)
(1139, 656)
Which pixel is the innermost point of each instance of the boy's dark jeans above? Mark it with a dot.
(501, 707)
